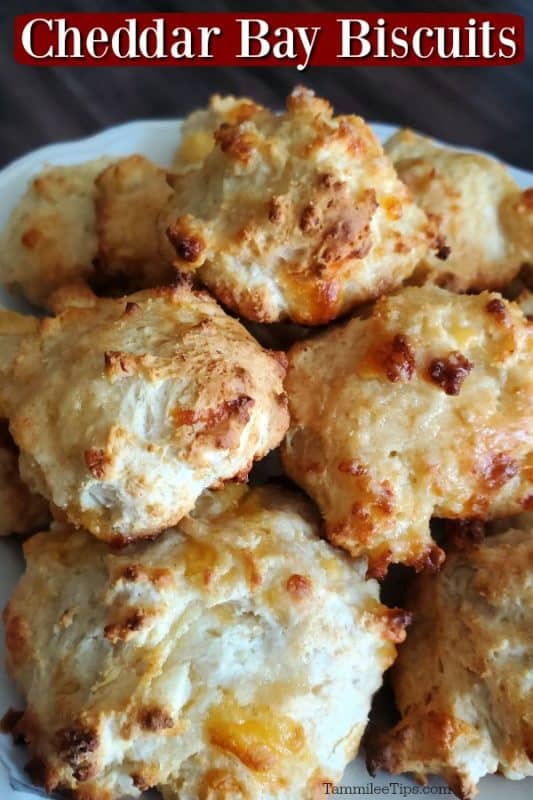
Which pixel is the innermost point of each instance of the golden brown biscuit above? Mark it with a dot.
(20, 510)
(463, 677)
(295, 216)
(480, 215)
(130, 194)
(424, 408)
(126, 410)
(50, 238)
(197, 132)
(234, 657)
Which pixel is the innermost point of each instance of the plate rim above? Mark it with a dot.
(46, 152)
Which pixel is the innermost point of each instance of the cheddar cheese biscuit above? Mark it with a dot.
(482, 220)
(463, 677)
(295, 216)
(126, 410)
(234, 657)
(425, 408)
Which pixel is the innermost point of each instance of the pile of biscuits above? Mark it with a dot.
(288, 284)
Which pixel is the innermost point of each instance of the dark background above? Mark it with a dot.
(490, 108)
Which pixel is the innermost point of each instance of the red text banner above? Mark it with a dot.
(298, 40)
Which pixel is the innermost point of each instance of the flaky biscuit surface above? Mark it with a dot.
(295, 216)
(197, 131)
(125, 410)
(424, 408)
(483, 221)
(463, 677)
(238, 653)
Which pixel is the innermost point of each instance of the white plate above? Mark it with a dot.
(157, 140)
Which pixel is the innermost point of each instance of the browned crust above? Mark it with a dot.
(97, 462)
(399, 360)
(418, 741)
(300, 587)
(121, 630)
(155, 719)
(449, 372)
(310, 233)
(75, 746)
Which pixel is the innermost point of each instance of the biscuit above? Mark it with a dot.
(20, 510)
(126, 410)
(236, 656)
(197, 132)
(422, 409)
(296, 216)
(130, 194)
(483, 222)
(463, 677)
(50, 238)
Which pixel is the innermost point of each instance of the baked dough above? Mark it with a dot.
(130, 194)
(463, 677)
(50, 238)
(20, 510)
(126, 410)
(425, 408)
(234, 657)
(197, 132)
(483, 222)
(295, 216)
